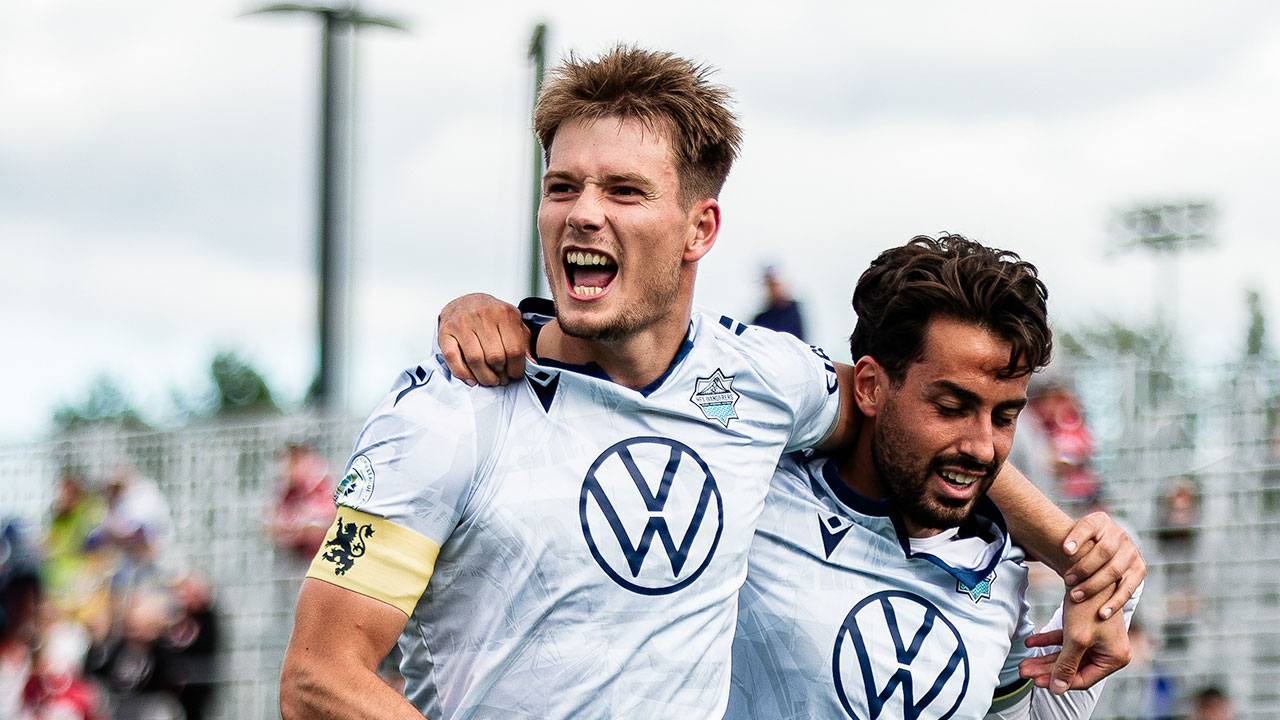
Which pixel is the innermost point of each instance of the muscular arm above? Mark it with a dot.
(339, 637)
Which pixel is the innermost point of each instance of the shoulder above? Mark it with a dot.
(772, 354)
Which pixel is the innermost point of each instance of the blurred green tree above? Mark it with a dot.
(1152, 348)
(238, 388)
(105, 403)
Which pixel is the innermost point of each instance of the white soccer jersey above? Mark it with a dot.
(587, 541)
(840, 618)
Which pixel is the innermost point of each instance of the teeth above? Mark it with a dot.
(587, 290)
(958, 478)
(587, 258)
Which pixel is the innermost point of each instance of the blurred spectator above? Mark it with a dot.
(781, 311)
(57, 690)
(137, 517)
(1058, 416)
(187, 651)
(1212, 703)
(127, 663)
(304, 507)
(76, 512)
(19, 598)
(1181, 511)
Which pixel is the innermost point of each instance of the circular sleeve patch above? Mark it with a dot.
(357, 487)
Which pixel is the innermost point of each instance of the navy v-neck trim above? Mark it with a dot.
(537, 312)
(984, 510)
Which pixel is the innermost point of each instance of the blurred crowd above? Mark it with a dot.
(100, 616)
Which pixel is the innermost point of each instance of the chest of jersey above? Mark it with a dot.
(835, 618)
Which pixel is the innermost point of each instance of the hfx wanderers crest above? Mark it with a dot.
(716, 398)
(347, 545)
(979, 591)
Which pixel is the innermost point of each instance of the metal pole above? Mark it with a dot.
(333, 226)
(537, 53)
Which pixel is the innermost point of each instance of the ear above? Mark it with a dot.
(705, 218)
(868, 385)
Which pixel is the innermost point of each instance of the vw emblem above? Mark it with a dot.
(651, 514)
(898, 656)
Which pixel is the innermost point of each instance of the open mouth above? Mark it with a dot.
(588, 273)
(959, 479)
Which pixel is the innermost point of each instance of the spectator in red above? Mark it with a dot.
(304, 508)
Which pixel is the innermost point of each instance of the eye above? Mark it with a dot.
(949, 410)
(1005, 419)
(628, 191)
(558, 188)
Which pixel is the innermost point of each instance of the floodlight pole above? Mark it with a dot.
(1166, 230)
(537, 54)
(337, 99)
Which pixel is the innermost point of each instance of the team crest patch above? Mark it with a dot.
(978, 592)
(716, 398)
(357, 487)
(347, 545)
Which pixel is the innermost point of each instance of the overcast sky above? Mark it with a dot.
(157, 168)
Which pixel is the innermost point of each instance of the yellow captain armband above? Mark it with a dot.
(376, 558)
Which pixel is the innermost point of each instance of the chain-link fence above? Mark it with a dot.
(1189, 460)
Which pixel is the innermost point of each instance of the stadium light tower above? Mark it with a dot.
(1165, 230)
(337, 98)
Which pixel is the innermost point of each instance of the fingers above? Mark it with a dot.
(1038, 668)
(1128, 586)
(1052, 638)
(483, 340)
(1065, 667)
(515, 346)
(453, 359)
(1114, 560)
(475, 360)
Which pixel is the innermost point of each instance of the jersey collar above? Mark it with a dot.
(986, 516)
(537, 312)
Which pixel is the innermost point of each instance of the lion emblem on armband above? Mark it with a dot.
(347, 545)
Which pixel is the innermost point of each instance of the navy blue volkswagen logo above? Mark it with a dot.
(897, 654)
(647, 488)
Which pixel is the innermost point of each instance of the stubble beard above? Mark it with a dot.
(905, 479)
(655, 299)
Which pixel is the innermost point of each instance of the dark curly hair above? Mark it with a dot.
(950, 276)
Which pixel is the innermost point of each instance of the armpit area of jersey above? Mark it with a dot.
(372, 556)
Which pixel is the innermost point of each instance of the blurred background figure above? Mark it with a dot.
(1212, 703)
(781, 311)
(19, 598)
(304, 506)
(58, 689)
(1057, 450)
(66, 568)
(188, 649)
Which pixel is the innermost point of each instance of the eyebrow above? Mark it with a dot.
(972, 398)
(610, 179)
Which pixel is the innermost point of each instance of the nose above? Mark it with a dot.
(979, 441)
(586, 216)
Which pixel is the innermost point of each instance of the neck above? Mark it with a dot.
(634, 362)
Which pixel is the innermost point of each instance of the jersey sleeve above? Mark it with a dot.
(405, 488)
(805, 377)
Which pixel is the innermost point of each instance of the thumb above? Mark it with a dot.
(1064, 670)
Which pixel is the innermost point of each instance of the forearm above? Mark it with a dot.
(324, 688)
(1035, 523)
